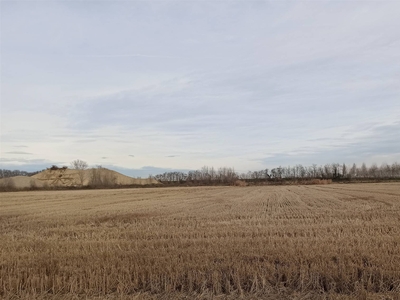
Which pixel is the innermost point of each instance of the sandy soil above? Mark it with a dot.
(21, 182)
(71, 177)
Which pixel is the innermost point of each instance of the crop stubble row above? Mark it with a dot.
(333, 239)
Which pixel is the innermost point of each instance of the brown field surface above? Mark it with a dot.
(287, 242)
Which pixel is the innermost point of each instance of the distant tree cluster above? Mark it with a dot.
(99, 177)
(335, 171)
(328, 171)
(12, 173)
(204, 175)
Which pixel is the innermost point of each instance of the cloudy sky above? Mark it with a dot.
(146, 86)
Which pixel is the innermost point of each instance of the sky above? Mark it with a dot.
(144, 87)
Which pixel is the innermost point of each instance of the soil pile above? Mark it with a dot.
(21, 182)
(97, 177)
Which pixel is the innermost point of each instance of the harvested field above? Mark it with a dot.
(287, 242)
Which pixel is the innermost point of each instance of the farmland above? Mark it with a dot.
(335, 241)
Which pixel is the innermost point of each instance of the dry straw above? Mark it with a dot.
(315, 241)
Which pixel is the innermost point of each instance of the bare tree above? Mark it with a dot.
(80, 166)
(101, 177)
(344, 170)
(373, 171)
(353, 171)
(364, 170)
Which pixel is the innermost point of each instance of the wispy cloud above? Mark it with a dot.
(18, 152)
(30, 165)
(125, 55)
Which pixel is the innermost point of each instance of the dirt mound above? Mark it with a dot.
(20, 182)
(96, 177)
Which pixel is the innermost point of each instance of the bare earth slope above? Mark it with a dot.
(70, 177)
(21, 182)
(272, 242)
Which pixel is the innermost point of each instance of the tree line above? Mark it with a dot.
(333, 171)
(227, 175)
(4, 173)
